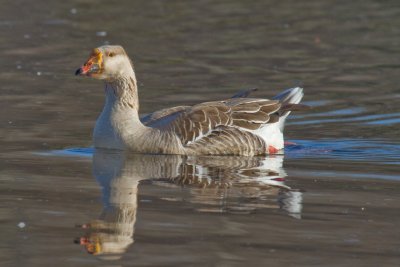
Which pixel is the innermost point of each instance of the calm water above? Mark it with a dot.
(333, 199)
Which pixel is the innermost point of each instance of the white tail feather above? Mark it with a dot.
(289, 96)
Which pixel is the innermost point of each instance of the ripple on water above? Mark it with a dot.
(381, 119)
(373, 115)
(332, 113)
(382, 152)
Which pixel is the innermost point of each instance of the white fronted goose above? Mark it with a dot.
(236, 126)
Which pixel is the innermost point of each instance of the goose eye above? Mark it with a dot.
(111, 54)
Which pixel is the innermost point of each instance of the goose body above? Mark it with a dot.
(235, 126)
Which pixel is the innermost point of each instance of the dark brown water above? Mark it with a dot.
(332, 200)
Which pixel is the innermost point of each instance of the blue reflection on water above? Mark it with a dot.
(384, 122)
(72, 152)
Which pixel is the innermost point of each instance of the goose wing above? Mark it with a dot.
(164, 116)
(225, 125)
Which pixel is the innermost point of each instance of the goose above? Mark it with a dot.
(236, 126)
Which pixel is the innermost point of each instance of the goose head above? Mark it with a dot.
(106, 62)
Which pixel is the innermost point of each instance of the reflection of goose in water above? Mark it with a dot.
(215, 184)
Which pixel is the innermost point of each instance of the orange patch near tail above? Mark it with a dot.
(272, 150)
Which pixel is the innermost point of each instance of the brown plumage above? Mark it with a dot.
(195, 122)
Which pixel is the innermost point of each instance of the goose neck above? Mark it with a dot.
(123, 91)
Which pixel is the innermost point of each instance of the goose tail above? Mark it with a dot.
(290, 100)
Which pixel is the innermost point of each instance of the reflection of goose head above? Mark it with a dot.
(210, 181)
(119, 175)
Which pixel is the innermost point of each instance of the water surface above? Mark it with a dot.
(331, 200)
